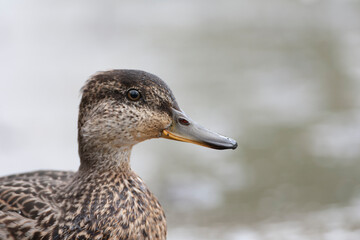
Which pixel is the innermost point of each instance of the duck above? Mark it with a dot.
(105, 198)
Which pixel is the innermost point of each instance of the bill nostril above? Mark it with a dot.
(184, 122)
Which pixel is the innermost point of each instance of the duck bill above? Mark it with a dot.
(186, 130)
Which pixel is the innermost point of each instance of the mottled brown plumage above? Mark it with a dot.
(104, 199)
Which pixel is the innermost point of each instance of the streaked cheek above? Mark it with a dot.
(152, 125)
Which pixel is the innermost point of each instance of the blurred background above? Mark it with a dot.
(282, 77)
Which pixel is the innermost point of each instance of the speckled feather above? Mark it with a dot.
(104, 199)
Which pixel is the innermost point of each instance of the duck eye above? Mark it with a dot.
(133, 95)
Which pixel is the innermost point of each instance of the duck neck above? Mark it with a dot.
(104, 158)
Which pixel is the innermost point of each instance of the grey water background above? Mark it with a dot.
(280, 76)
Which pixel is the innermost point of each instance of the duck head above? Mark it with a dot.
(120, 108)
